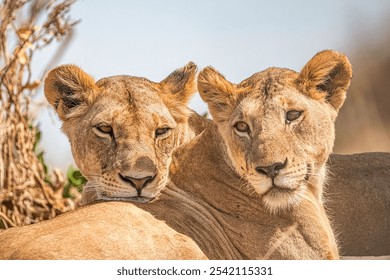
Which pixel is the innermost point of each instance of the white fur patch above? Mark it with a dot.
(278, 200)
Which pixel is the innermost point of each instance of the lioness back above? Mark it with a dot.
(109, 230)
(250, 186)
(357, 197)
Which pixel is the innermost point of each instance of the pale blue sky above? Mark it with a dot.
(151, 38)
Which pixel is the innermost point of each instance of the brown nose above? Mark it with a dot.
(137, 183)
(272, 170)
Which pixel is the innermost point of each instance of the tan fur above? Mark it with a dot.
(135, 108)
(216, 195)
(108, 230)
(210, 201)
(218, 89)
(73, 84)
(207, 201)
(357, 197)
(262, 102)
(326, 78)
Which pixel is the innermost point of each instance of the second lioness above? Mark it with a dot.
(251, 186)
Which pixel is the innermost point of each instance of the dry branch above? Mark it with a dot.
(26, 26)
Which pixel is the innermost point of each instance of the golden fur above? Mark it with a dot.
(280, 157)
(116, 128)
(112, 127)
(207, 201)
(217, 197)
(107, 230)
(213, 201)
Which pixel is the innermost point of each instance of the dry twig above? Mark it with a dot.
(25, 197)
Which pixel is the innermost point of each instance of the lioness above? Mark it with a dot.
(251, 186)
(107, 230)
(278, 125)
(122, 131)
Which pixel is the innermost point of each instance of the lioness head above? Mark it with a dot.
(122, 129)
(278, 125)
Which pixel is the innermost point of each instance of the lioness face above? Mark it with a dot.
(278, 125)
(122, 129)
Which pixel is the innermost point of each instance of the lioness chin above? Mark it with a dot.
(278, 125)
(122, 131)
(250, 186)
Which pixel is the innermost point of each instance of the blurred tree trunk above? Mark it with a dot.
(26, 26)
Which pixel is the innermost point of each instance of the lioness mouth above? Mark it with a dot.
(138, 199)
(278, 189)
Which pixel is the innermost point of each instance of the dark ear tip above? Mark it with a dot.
(191, 66)
(343, 61)
(182, 73)
(207, 71)
(209, 68)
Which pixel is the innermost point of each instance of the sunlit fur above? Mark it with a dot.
(134, 108)
(262, 101)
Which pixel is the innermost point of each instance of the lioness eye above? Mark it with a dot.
(242, 127)
(162, 131)
(293, 115)
(105, 129)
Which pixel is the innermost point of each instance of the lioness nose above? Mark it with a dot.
(272, 170)
(137, 183)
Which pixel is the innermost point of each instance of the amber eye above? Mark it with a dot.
(105, 129)
(292, 115)
(162, 131)
(242, 127)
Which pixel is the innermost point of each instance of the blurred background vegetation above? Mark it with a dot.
(28, 192)
(152, 38)
(364, 120)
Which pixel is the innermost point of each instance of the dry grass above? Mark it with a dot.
(26, 27)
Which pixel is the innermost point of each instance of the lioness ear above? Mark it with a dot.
(326, 77)
(180, 84)
(67, 88)
(178, 88)
(217, 92)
